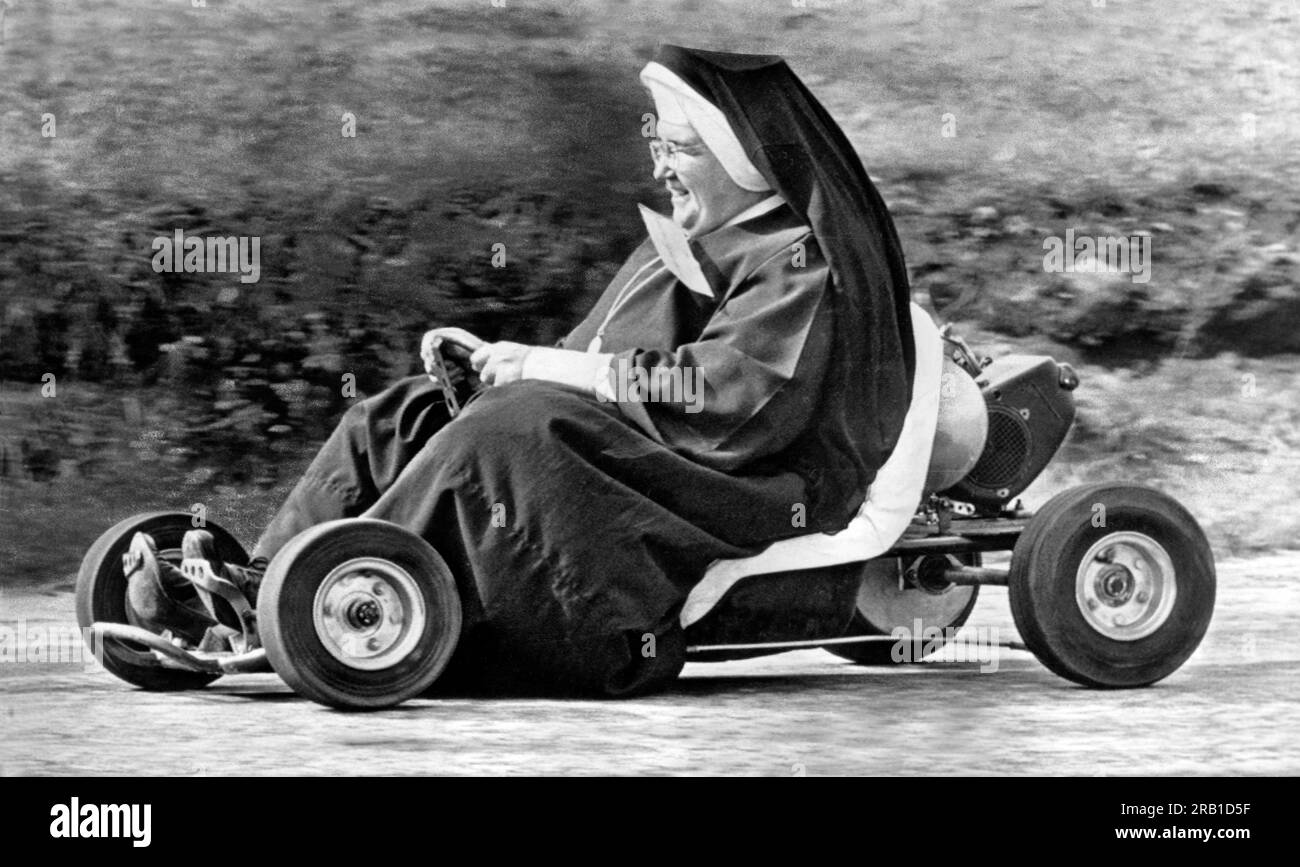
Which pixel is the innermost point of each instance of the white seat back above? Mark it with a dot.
(891, 500)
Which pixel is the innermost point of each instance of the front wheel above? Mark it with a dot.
(358, 614)
(101, 594)
(1112, 585)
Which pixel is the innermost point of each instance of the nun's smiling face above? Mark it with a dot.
(703, 195)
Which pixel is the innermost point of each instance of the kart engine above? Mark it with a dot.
(1000, 423)
(1030, 407)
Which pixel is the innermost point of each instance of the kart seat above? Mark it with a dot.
(890, 504)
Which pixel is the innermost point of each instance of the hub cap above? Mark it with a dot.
(369, 613)
(1125, 586)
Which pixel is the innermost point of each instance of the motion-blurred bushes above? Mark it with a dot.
(230, 375)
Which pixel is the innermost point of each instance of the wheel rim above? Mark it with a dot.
(1125, 586)
(369, 613)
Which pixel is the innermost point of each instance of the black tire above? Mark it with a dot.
(411, 573)
(101, 594)
(1055, 582)
(940, 616)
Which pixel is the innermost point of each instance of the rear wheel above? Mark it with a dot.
(929, 619)
(1112, 585)
(101, 594)
(359, 614)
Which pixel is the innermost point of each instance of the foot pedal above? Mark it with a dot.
(199, 571)
(199, 551)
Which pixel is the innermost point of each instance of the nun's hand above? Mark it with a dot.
(500, 363)
(456, 344)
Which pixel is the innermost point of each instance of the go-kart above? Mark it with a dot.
(1110, 585)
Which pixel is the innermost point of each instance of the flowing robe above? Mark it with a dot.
(577, 525)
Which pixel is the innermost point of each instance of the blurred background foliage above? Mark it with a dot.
(521, 124)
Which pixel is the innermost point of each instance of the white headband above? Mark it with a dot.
(678, 102)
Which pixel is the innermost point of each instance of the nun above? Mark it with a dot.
(576, 506)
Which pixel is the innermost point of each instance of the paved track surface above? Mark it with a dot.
(1230, 710)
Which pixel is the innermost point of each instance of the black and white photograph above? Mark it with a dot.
(651, 388)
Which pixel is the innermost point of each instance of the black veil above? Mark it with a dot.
(806, 158)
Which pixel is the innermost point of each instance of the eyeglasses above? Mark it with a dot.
(668, 151)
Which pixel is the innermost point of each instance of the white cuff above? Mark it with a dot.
(585, 370)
